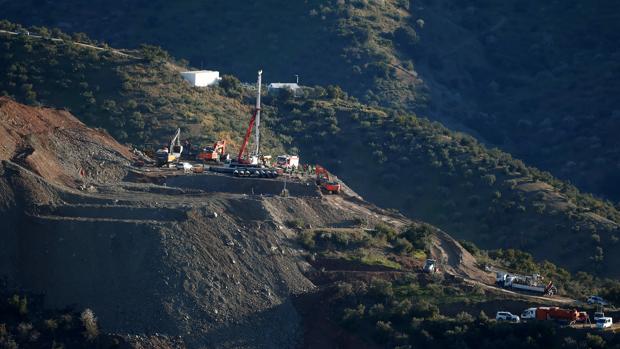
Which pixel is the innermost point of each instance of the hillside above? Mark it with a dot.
(537, 80)
(138, 100)
(217, 268)
(475, 193)
(452, 181)
(206, 261)
(58, 147)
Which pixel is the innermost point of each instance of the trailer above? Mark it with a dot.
(530, 283)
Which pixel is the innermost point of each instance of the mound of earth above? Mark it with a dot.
(218, 268)
(57, 146)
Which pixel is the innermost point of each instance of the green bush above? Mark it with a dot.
(384, 231)
(419, 236)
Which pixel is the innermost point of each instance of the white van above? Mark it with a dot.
(604, 322)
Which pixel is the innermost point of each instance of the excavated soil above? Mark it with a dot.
(203, 260)
(57, 146)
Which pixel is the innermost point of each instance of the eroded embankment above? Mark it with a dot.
(218, 269)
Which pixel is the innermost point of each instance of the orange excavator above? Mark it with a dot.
(214, 153)
(324, 182)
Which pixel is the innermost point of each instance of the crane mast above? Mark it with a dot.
(257, 133)
(254, 120)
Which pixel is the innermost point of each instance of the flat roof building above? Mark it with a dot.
(201, 78)
(275, 87)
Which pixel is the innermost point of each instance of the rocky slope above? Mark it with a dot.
(57, 146)
(217, 268)
(480, 189)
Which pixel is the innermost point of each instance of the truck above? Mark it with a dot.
(531, 283)
(553, 313)
(287, 161)
(325, 182)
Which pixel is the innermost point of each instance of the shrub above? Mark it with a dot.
(231, 85)
(295, 223)
(89, 321)
(354, 313)
(419, 236)
(51, 324)
(464, 317)
(403, 246)
(307, 239)
(384, 231)
(470, 247)
(19, 304)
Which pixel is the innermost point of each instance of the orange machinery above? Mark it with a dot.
(323, 180)
(215, 153)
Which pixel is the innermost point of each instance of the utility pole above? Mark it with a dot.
(257, 133)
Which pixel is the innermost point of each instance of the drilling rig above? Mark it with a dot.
(253, 158)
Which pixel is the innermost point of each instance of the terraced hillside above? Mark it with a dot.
(475, 193)
(218, 268)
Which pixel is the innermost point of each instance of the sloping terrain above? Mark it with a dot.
(57, 146)
(452, 181)
(535, 79)
(217, 268)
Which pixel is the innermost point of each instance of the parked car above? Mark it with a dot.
(430, 266)
(506, 316)
(597, 300)
(604, 322)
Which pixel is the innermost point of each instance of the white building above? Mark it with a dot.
(275, 87)
(201, 78)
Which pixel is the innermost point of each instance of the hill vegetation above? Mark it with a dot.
(138, 98)
(416, 309)
(452, 181)
(393, 158)
(537, 80)
(24, 323)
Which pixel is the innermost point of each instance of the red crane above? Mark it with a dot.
(255, 119)
(240, 158)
